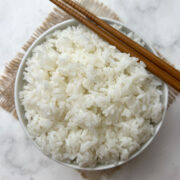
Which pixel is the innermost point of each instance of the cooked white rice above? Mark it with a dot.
(86, 102)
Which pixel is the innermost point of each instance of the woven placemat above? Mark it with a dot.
(8, 78)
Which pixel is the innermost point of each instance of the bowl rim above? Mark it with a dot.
(22, 119)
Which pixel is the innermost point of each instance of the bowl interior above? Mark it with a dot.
(19, 85)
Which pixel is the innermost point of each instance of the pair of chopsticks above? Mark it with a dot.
(153, 63)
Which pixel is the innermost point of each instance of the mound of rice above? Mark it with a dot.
(86, 102)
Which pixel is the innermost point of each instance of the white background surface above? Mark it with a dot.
(157, 21)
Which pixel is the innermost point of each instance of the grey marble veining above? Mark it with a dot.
(20, 159)
(157, 21)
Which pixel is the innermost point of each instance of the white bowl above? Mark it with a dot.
(19, 84)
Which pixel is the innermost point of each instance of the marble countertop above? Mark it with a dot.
(157, 21)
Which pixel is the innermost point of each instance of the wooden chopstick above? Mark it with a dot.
(156, 60)
(119, 44)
